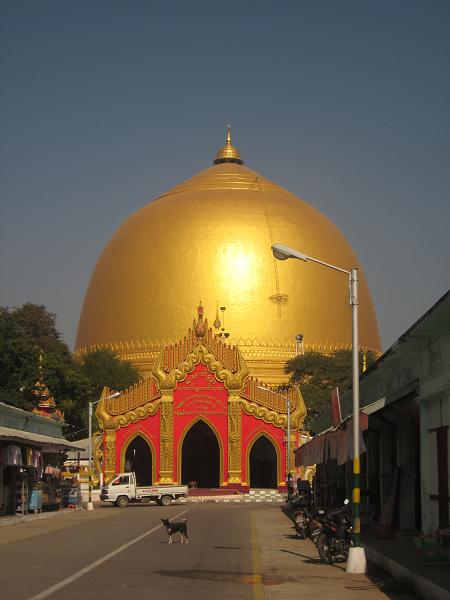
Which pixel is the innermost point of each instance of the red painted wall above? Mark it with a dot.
(200, 394)
(251, 429)
(150, 427)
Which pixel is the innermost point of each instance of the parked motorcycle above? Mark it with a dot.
(307, 523)
(300, 506)
(335, 535)
(305, 516)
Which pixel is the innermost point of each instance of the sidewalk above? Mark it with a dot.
(16, 519)
(406, 563)
(291, 568)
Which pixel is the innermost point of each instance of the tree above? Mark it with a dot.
(317, 374)
(18, 363)
(102, 367)
(37, 327)
(27, 330)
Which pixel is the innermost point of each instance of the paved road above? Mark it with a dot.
(234, 552)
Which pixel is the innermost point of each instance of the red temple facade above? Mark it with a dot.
(200, 419)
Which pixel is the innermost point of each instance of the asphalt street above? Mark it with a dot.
(234, 551)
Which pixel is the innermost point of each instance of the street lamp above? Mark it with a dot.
(90, 505)
(288, 449)
(356, 559)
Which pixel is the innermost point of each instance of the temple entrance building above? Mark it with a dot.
(200, 419)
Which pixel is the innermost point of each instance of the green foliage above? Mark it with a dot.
(27, 330)
(18, 363)
(38, 328)
(102, 367)
(317, 374)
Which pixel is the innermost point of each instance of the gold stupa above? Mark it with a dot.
(209, 239)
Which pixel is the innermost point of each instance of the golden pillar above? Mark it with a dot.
(234, 438)
(166, 438)
(110, 453)
(293, 446)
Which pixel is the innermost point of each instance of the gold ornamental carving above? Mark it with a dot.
(110, 454)
(108, 421)
(166, 439)
(200, 354)
(260, 412)
(234, 439)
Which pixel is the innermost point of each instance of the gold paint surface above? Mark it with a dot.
(166, 439)
(209, 239)
(234, 439)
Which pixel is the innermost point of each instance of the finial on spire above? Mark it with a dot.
(200, 326)
(228, 154)
(217, 320)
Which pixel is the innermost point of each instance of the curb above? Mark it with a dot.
(17, 519)
(232, 499)
(426, 588)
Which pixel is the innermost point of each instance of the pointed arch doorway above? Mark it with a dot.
(263, 464)
(200, 456)
(138, 458)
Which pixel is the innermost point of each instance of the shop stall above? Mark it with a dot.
(32, 452)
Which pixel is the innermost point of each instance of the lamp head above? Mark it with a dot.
(283, 252)
(278, 254)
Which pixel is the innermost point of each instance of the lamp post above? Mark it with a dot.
(356, 562)
(90, 505)
(288, 447)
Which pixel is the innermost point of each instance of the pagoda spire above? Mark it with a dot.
(228, 154)
(228, 135)
(217, 320)
(46, 405)
(201, 326)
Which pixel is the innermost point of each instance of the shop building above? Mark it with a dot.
(405, 418)
(31, 456)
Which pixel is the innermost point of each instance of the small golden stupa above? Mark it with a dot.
(46, 405)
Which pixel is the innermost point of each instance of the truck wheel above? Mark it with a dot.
(122, 501)
(166, 500)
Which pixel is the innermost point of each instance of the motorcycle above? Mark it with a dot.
(305, 516)
(307, 523)
(335, 535)
(301, 505)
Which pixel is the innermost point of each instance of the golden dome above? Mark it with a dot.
(210, 239)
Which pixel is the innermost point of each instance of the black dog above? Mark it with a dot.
(181, 527)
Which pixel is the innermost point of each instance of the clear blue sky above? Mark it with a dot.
(104, 105)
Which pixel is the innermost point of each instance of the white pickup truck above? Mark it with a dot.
(123, 489)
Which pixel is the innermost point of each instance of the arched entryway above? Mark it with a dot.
(138, 458)
(200, 456)
(263, 464)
